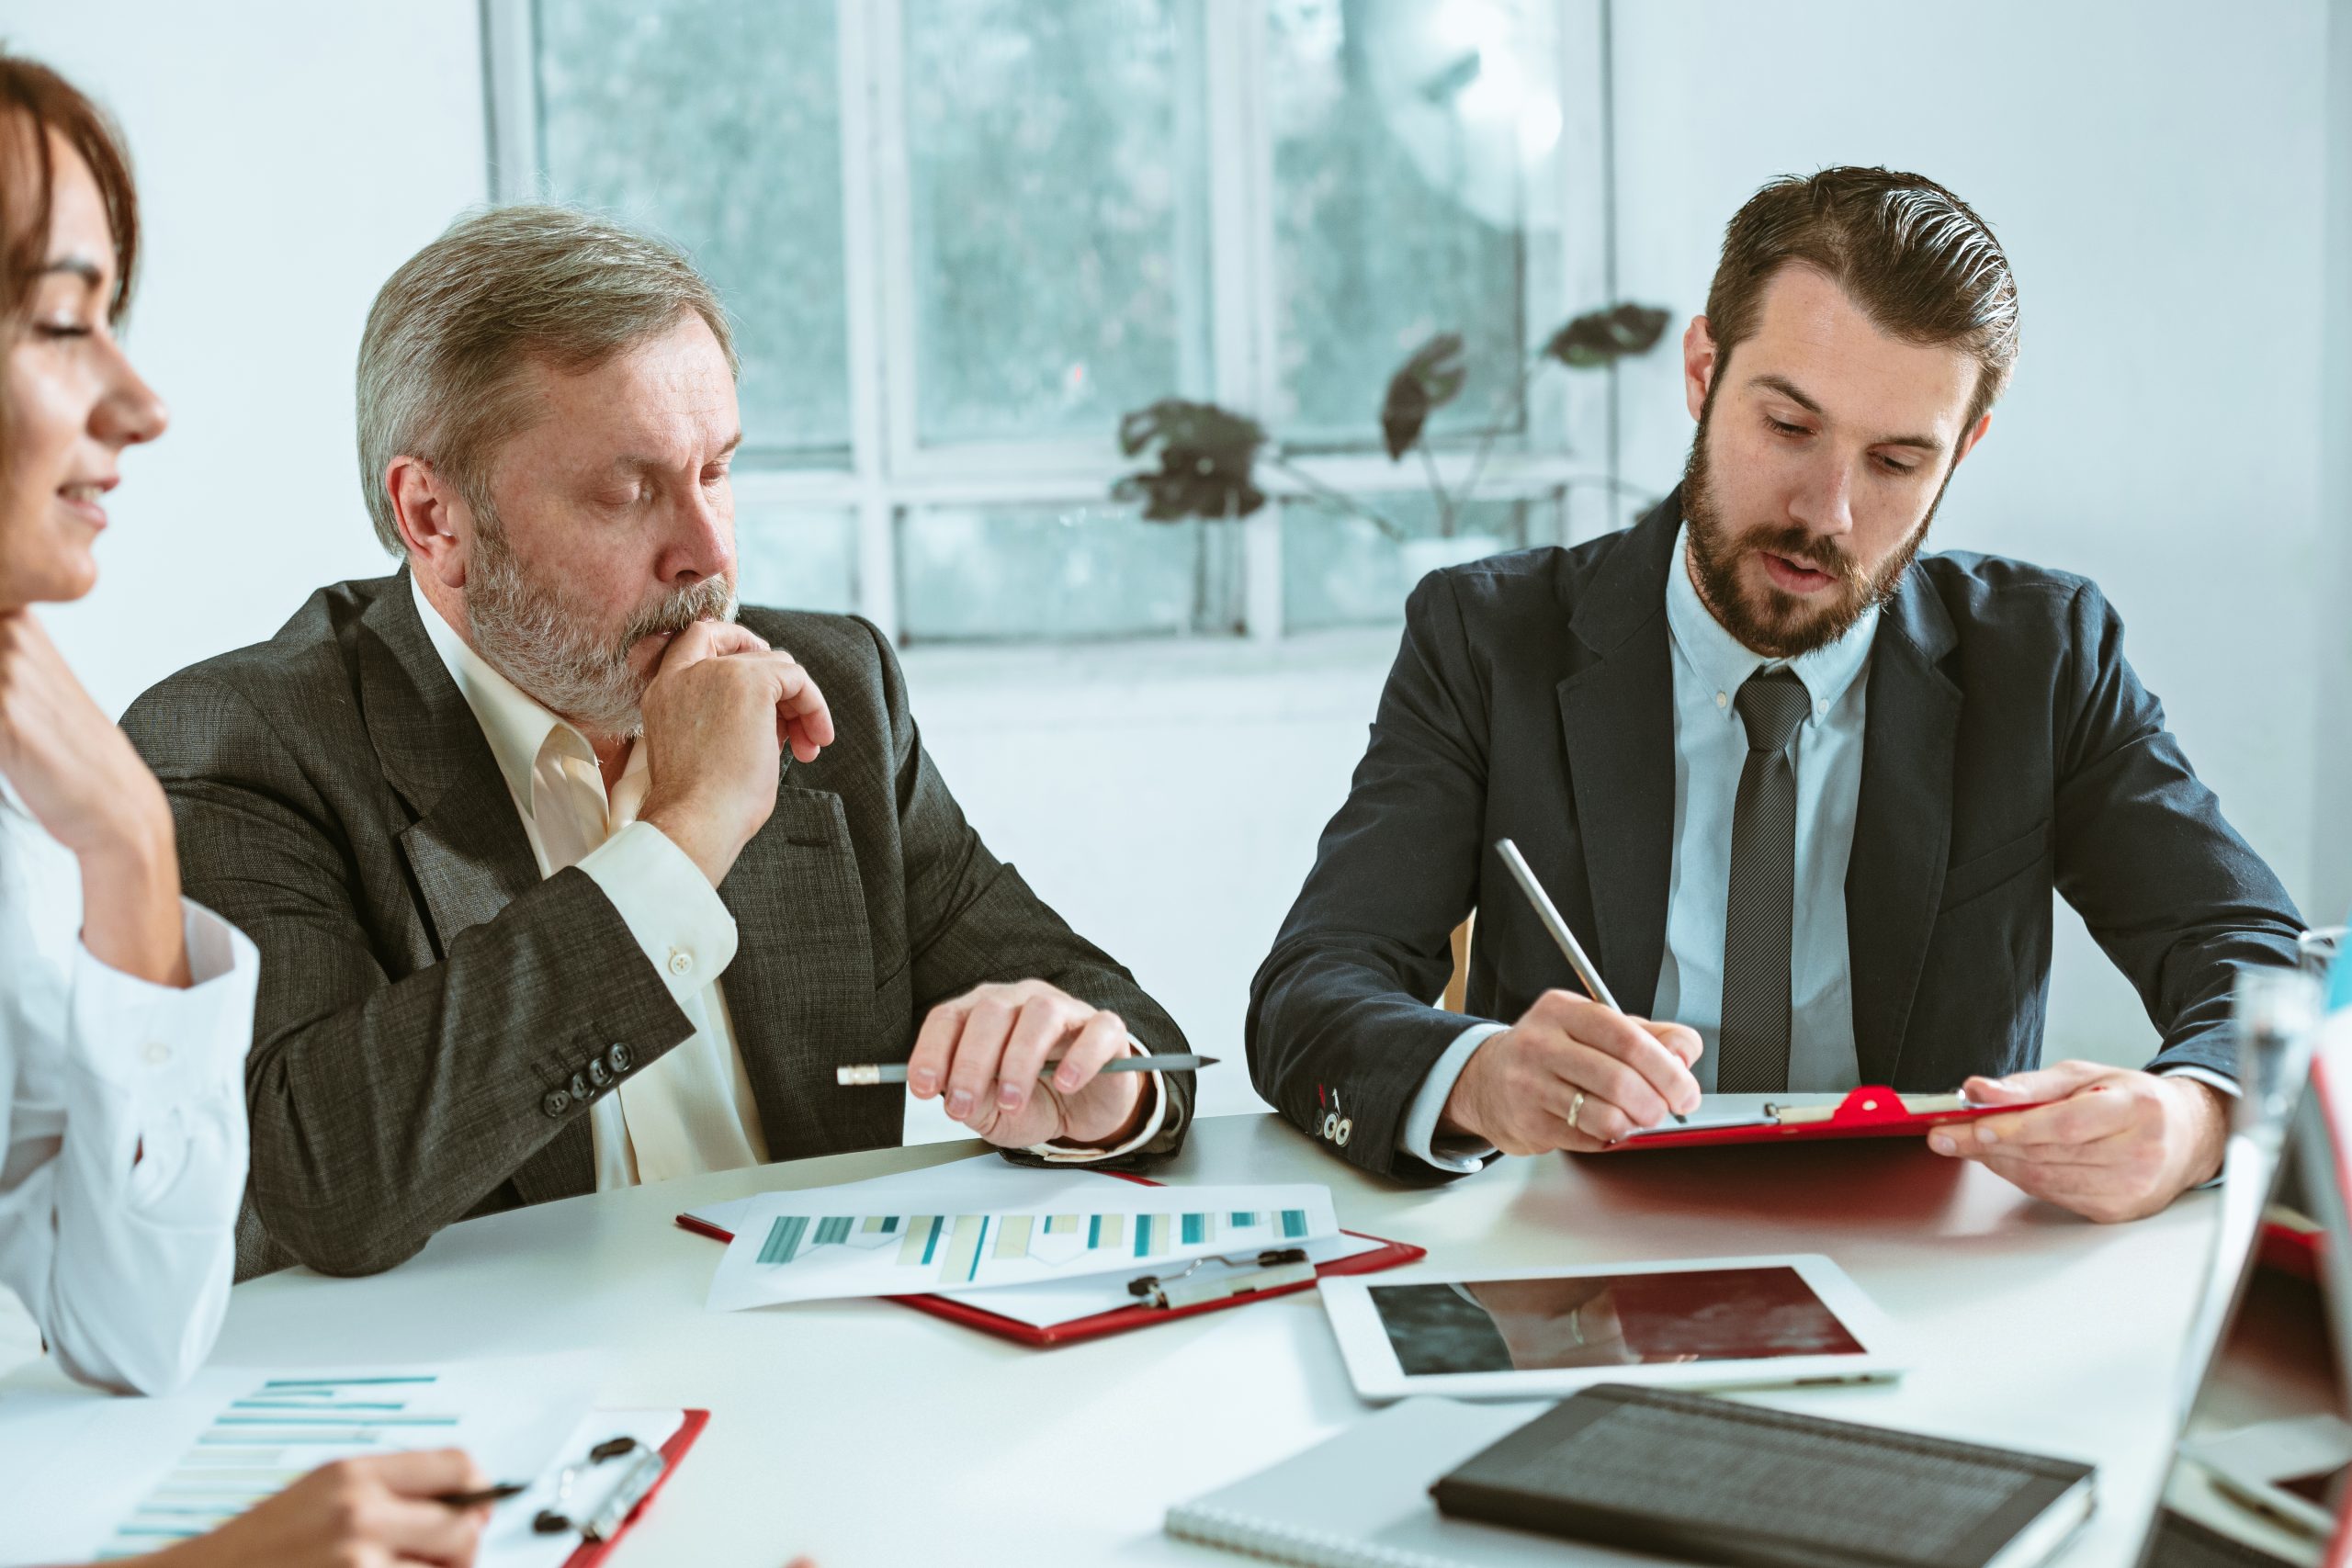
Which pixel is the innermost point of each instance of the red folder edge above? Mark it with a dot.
(593, 1552)
(1118, 1320)
(1873, 1110)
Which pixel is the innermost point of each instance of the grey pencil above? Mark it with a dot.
(1547, 912)
(896, 1072)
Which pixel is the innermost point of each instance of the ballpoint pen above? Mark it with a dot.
(896, 1072)
(1550, 915)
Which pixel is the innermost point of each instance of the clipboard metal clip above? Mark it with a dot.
(1864, 1105)
(605, 1521)
(1272, 1267)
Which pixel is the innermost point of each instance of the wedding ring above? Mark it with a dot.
(1576, 1109)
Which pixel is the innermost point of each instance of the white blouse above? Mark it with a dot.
(122, 1126)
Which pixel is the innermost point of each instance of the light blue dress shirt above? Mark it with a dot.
(1710, 748)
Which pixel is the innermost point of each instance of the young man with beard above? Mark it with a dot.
(1804, 792)
(544, 907)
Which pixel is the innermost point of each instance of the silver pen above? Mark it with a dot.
(1549, 914)
(859, 1073)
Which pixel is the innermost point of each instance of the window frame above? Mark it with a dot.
(888, 470)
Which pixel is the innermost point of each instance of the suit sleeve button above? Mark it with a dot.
(620, 1057)
(599, 1074)
(580, 1086)
(555, 1103)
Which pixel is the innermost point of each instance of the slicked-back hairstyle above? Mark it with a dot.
(452, 332)
(1918, 261)
(35, 103)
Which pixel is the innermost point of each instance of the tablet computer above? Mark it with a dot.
(1703, 1323)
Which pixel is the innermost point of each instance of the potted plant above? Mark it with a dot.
(1208, 456)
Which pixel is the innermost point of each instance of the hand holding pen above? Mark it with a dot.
(986, 1052)
(403, 1507)
(1574, 1073)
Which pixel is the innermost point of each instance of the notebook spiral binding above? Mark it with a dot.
(1302, 1548)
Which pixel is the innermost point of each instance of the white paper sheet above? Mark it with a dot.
(984, 1179)
(851, 1241)
(125, 1475)
(987, 1177)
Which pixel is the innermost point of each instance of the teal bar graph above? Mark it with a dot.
(265, 1440)
(783, 1238)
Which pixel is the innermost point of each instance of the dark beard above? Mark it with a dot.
(1782, 626)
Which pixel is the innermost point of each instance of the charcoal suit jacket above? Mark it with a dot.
(2008, 751)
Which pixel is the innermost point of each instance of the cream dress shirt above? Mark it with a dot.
(692, 1109)
(122, 1126)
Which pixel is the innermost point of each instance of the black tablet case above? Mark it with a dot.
(1690, 1476)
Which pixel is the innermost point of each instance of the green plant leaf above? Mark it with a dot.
(1206, 457)
(1431, 378)
(1602, 337)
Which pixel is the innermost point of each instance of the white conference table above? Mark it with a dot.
(864, 1432)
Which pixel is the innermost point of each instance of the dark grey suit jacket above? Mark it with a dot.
(2008, 749)
(431, 1010)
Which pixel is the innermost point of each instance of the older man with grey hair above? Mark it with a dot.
(567, 875)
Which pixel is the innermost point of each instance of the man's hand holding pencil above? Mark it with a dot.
(1571, 1074)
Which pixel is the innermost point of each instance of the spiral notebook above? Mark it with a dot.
(1362, 1499)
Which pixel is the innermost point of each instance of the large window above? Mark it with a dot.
(961, 238)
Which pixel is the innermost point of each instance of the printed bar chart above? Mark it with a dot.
(261, 1444)
(797, 1250)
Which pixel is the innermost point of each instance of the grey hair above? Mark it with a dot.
(450, 333)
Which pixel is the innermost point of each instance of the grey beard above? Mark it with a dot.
(526, 630)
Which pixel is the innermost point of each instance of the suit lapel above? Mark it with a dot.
(1617, 723)
(465, 845)
(801, 987)
(1903, 823)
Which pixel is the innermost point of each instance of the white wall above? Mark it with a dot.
(2155, 169)
(2331, 843)
(288, 156)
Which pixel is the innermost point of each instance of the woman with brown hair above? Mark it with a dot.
(125, 1011)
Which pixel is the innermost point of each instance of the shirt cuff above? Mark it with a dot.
(1419, 1137)
(2219, 1082)
(2206, 1075)
(168, 1065)
(147, 1039)
(670, 906)
(1060, 1153)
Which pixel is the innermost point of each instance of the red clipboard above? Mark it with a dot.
(1873, 1110)
(2290, 1249)
(593, 1552)
(1118, 1320)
